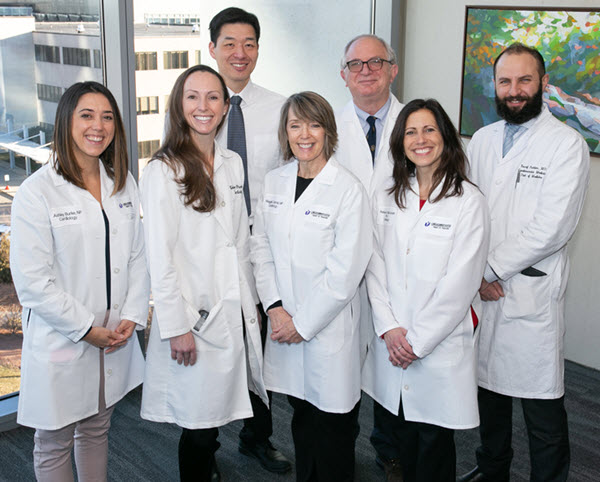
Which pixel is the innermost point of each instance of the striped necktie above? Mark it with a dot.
(509, 137)
(372, 135)
(236, 141)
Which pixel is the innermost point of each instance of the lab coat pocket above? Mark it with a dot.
(331, 339)
(430, 258)
(527, 297)
(213, 333)
(67, 237)
(52, 347)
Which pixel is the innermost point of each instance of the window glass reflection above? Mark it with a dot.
(45, 46)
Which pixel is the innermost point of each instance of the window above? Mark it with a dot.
(176, 60)
(147, 105)
(147, 148)
(97, 59)
(76, 56)
(50, 93)
(198, 57)
(145, 61)
(47, 53)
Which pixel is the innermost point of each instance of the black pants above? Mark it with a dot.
(547, 430)
(259, 428)
(426, 452)
(197, 454)
(324, 442)
(380, 441)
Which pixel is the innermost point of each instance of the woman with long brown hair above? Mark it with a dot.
(432, 233)
(77, 261)
(196, 227)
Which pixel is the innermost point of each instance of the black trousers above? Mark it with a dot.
(324, 442)
(547, 430)
(259, 428)
(197, 454)
(380, 440)
(426, 452)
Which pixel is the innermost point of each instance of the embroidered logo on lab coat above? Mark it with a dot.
(438, 226)
(318, 214)
(65, 216)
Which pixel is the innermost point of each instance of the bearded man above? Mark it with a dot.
(534, 172)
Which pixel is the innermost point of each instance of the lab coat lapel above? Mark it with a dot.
(324, 179)
(222, 213)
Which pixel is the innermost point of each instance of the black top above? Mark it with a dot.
(107, 257)
(301, 185)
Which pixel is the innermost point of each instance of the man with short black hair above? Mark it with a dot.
(534, 172)
(250, 129)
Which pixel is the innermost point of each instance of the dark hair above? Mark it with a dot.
(179, 151)
(232, 15)
(518, 48)
(114, 158)
(310, 107)
(452, 168)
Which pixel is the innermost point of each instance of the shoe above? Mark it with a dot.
(268, 456)
(475, 475)
(392, 468)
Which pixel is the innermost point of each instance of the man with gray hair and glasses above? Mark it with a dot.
(369, 67)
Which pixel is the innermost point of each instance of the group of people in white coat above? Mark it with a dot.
(407, 243)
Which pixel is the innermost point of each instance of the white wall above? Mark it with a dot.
(433, 44)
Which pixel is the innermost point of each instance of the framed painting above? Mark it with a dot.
(569, 41)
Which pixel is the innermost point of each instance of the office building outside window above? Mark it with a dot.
(147, 105)
(47, 53)
(76, 56)
(176, 60)
(146, 61)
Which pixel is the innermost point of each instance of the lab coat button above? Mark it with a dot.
(498, 182)
(115, 231)
(222, 203)
(252, 320)
(405, 387)
(109, 372)
(116, 270)
(115, 306)
(229, 245)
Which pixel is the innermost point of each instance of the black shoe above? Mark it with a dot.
(475, 475)
(392, 468)
(268, 456)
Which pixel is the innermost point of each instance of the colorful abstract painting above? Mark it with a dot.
(569, 41)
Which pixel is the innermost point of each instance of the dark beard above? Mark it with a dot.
(531, 109)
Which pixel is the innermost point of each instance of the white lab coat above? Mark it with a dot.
(200, 261)
(535, 195)
(261, 109)
(424, 274)
(354, 154)
(353, 150)
(59, 270)
(311, 254)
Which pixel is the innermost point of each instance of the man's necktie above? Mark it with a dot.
(372, 135)
(509, 137)
(236, 141)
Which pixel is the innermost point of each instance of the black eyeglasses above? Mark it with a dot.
(375, 63)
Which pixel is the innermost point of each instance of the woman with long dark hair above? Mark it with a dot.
(205, 336)
(432, 235)
(77, 261)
